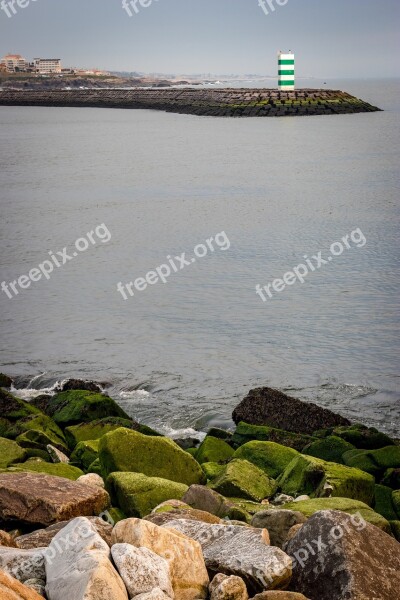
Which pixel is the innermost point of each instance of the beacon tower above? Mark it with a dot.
(286, 71)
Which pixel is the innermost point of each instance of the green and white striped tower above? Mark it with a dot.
(286, 71)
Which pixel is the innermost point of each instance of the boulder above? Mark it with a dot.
(78, 406)
(91, 479)
(10, 452)
(212, 469)
(11, 589)
(188, 572)
(279, 595)
(78, 565)
(66, 471)
(155, 594)
(374, 462)
(7, 540)
(391, 478)
(79, 384)
(42, 537)
(347, 505)
(23, 564)
(330, 448)
(39, 430)
(85, 453)
(35, 498)
(56, 455)
(383, 503)
(270, 457)
(127, 450)
(338, 556)
(241, 551)
(309, 475)
(395, 527)
(99, 427)
(242, 479)
(142, 570)
(213, 450)
(205, 499)
(163, 517)
(278, 522)
(13, 408)
(364, 437)
(219, 433)
(225, 587)
(266, 406)
(5, 381)
(396, 501)
(245, 432)
(138, 494)
(280, 499)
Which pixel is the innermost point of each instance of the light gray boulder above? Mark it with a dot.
(23, 564)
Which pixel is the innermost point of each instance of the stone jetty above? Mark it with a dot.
(202, 102)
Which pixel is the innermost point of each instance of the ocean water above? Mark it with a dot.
(180, 355)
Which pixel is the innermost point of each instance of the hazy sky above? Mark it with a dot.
(331, 38)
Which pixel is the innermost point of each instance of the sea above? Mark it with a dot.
(125, 192)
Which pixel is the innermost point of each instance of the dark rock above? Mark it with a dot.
(186, 443)
(5, 381)
(342, 557)
(266, 406)
(79, 384)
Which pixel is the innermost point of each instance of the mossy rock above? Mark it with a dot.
(221, 434)
(396, 502)
(375, 462)
(241, 479)
(330, 448)
(85, 453)
(212, 470)
(347, 505)
(191, 451)
(395, 526)
(246, 433)
(213, 450)
(13, 408)
(41, 424)
(99, 427)
(250, 507)
(79, 406)
(38, 453)
(308, 475)
(127, 450)
(57, 469)
(391, 478)
(383, 503)
(5, 426)
(95, 467)
(5, 381)
(270, 457)
(366, 438)
(36, 440)
(10, 452)
(137, 495)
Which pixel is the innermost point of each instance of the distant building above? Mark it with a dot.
(14, 63)
(286, 71)
(46, 66)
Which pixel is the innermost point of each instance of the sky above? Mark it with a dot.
(331, 38)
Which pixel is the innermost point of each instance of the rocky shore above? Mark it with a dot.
(296, 503)
(203, 102)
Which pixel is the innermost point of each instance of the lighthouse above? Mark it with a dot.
(286, 71)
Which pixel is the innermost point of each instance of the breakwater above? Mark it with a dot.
(203, 102)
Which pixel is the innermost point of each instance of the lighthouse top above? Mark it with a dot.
(286, 71)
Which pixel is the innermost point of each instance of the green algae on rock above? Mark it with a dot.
(241, 479)
(137, 495)
(347, 505)
(41, 424)
(38, 466)
(79, 406)
(245, 432)
(375, 462)
(10, 452)
(308, 475)
(396, 501)
(213, 450)
(127, 450)
(330, 448)
(95, 429)
(383, 502)
(270, 457)
(85, 453)
(361, 436)
(13, 408)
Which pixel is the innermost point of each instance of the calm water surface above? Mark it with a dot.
(181, 355)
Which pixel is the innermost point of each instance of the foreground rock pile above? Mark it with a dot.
(213, 103)
(296, 504)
